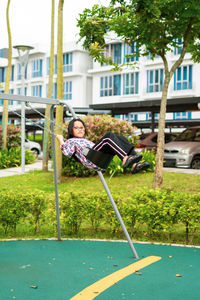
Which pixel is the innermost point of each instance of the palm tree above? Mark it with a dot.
(59, 109)
(46, 139)
(7, 83)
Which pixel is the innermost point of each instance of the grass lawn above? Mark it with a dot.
(123, 183)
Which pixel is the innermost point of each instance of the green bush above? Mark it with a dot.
(150, 157)
(12, 157)
(72, 167)
(158, 212)
(17, 205)
(13, 208)
(13, 136)
(73, 210)
(36, 205)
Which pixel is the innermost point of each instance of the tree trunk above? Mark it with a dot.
(46, 137)
(59, 109)
(7, 83)
(158, 177)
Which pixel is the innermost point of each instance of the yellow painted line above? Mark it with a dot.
(98, 287)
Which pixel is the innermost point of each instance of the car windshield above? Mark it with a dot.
(189, 135)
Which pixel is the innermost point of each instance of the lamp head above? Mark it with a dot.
(23, 47)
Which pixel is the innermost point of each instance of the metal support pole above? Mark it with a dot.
(23, 121)
(23, 59)
(152, 121)
(118, 215)
(55, 173)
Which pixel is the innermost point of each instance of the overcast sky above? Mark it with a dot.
(30, 20)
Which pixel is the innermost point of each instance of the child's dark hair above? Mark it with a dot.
(71, 125)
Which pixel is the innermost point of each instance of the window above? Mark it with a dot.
(12, 73)
(18, 72)
(37, 68)
(67, 90)
(182, 115)
(48, 65)
(67, 62)
(54, 92)
(155, 80)
(110, 85)
(183, 78)
(130, 83)
(130, 50)
(19, 75)
(11, 102)
(179, 47)
(2, 74)
(1, 100)
(149, 56)
(113, 51)
(36, 90)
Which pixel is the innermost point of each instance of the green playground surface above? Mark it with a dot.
(53, 270)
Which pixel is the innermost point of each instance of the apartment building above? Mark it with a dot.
(86, 83)
(143, 81)
(77, 83)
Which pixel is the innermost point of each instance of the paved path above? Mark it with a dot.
(18, 171)
(38, 166)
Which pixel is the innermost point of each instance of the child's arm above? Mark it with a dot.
(60, 139)
(68, 147)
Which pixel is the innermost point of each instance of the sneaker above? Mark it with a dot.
(140, 167)
(132, 159)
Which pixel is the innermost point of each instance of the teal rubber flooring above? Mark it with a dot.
(52, 270)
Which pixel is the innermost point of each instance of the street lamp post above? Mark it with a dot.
(23, 52)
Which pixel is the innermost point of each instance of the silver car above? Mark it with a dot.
(184, 151)
(33, 146)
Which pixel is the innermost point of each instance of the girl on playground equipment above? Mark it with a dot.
(110, 143)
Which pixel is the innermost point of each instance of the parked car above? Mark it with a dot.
(149, 141)
(184, 151)
(33, 146)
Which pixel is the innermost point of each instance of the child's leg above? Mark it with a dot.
(114, 145)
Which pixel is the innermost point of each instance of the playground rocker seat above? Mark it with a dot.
(100, 159)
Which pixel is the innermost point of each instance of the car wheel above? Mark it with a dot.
(195, 163)
(35, 152)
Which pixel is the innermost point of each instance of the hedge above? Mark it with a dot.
(157, 210)
(12, 157)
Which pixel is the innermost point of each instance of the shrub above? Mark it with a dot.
(73, 209)
(13, 136)
(72, 167)
(159, 211)
(12, 157)
(150, 157)
(13, 208)
(36, 206)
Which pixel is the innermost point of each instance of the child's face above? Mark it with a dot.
(78, 129)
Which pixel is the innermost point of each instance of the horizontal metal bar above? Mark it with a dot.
(30, 99)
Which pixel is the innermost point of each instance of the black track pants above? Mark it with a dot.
(114, 145)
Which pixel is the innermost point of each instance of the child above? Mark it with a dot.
(109, 143)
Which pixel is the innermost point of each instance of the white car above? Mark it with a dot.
(33, 146)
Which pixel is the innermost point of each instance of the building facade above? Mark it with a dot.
(77, 82)
(86, 82)
(143, 80)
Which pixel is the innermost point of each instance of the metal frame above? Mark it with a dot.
(53, 102)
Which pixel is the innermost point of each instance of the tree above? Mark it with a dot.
(7, 82)
(155, 27)
(46, 139)
(59, 108)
